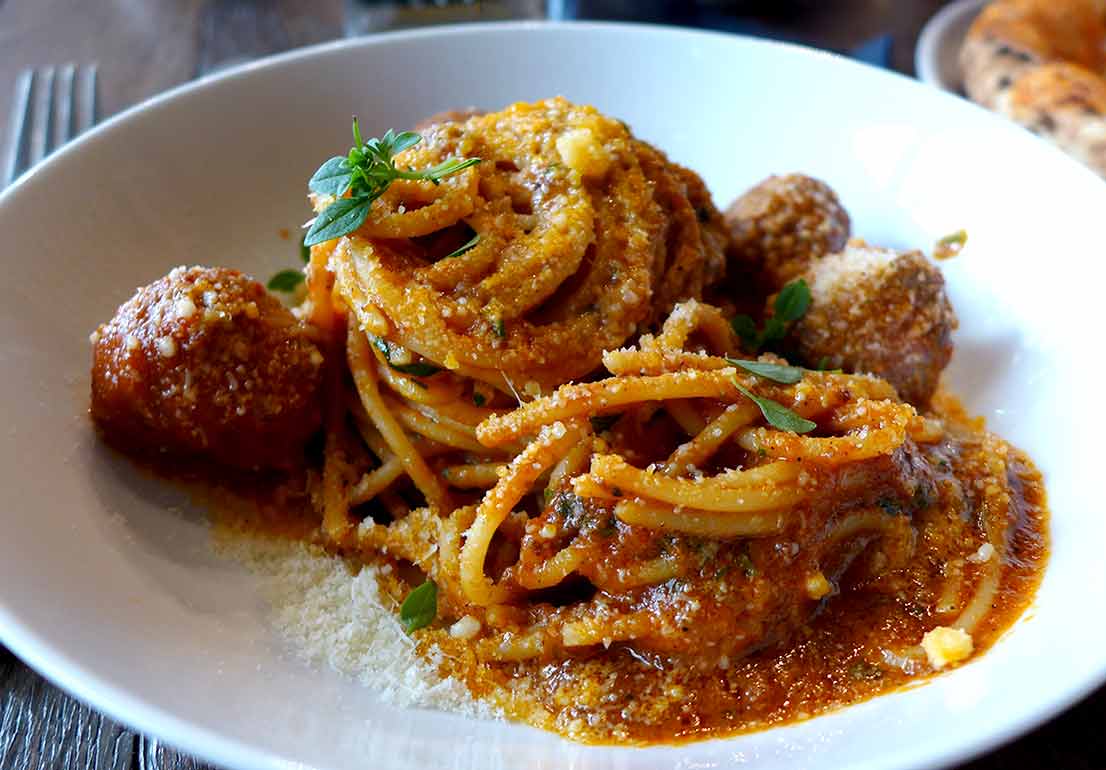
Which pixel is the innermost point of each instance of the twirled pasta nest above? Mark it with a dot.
(586, 237)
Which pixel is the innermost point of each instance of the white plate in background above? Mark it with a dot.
(937, 53)
(107, 582)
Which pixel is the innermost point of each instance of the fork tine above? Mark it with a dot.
(15, 158)
(88, 104)
(63, 103)
(43, 117)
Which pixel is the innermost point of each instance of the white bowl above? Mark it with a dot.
(937, 54)
(108, 585)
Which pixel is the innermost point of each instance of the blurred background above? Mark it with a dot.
(143, 47)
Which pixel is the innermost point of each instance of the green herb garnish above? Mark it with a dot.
(959, 238)
(790, 305)
(365, 173)
(478, 398)
(420, 607)
(286, 280)
(305, 250)
(746, 329)
(779, 416)
(785, 375)
(950, 245)
(792, 302)
(498, 328)
(417, 369)
(603, 422)
(462, 249)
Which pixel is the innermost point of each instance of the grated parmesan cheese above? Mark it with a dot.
(944, 645)
(166, 346)
(582, 151)
(465, 628)
(185, 307)
(328, 616)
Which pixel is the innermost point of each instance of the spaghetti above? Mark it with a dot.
(528, 401)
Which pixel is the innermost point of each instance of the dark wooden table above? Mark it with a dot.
(146, 46)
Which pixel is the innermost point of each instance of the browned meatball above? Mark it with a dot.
(782, 225)
(204, 362)
(881, 312)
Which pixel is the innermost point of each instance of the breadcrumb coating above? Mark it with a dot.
(881, 312)
(783, 224)
(204, 362)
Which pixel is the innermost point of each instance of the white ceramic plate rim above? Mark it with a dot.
(38, 652)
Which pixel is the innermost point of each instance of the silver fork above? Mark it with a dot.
(51, 106)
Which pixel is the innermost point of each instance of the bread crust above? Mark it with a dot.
(1041, 63)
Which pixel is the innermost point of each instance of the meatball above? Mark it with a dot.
(205, 363)
(881, 312)
(782, 225)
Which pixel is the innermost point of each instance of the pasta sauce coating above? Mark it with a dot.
(584, 236)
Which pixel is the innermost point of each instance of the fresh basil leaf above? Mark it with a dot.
(404, 141)
(339, 218)
(285, 280)
(332, 178)
(779, 416)
(375, 151)
(418, 369)
(793, 301)
(420, 607)
(785, 375)
(774, 330)
(461, 250)
(746, 329)
(791, 304)
(305, 250)
(366, 172)
(604, 422)
(499, 328)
